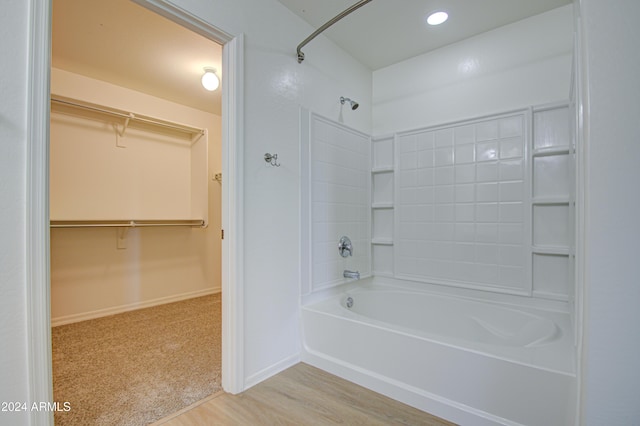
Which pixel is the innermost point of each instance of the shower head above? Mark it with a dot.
(354, 104)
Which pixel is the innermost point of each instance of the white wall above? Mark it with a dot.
(515, 66)
(90, 275)
(13, 131)
(610, 67)
(275, 86)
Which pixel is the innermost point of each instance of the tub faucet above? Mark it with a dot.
(351, 274)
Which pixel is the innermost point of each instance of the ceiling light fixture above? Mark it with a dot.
(210, 80)
(437, 18)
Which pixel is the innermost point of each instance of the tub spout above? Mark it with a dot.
(351, 274)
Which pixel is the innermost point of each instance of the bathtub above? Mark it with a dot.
(468, 361)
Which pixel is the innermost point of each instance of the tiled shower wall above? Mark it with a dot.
(485, 204)
(337, 162)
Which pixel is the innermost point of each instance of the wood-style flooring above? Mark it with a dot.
(302, 395)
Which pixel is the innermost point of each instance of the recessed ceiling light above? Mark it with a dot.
(437, 18)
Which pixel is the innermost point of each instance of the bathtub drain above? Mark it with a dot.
(349, 302)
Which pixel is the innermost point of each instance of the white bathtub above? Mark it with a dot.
(471, 362)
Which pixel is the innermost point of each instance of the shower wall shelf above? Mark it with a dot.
(125, 119)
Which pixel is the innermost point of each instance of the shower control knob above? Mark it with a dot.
(344, 247)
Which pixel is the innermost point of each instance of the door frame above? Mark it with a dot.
(37, 255)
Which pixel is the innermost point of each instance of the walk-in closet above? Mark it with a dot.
(135, 214)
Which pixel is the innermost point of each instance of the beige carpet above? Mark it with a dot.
(137, 367)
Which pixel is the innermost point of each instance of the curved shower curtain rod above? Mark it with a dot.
(327, 25)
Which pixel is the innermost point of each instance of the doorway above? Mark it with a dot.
(38, 296)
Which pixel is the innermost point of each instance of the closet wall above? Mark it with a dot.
(101, 271)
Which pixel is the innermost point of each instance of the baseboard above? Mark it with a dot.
(272, 370)
(83, 316)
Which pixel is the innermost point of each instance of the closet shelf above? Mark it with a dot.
(126, 118)
(125, 223)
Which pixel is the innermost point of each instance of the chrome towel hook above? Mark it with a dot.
(272, 159)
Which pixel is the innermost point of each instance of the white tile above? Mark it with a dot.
(465, 212)
(511, 191)
(512, 255)
(465, 193)
(487, 192)
(444, 212)
(425, 158)
(407, 143)
(464, 134)
(443, 156)
(511, 212)
(426, 140)
(464, 271)
(511, 233)
(445, 194)
(487, 151)
(426, 213)
(465, 173)
(407, 196)
(425, 195)
(511, 148)
(486, 273)
(444, 175)
(443, 231)
(487, 254)
(487, 172)
(408, 160)
(510, 126)
(444, 137)
(426, 176)
(511, 169)
(486, 232)
(408, 178)
(464, 154)
(487, 212)
(511, 276)
(487, 130)
(465, 232)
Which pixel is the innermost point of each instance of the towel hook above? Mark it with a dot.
(272, 159)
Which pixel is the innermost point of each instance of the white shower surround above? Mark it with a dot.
(447, 368)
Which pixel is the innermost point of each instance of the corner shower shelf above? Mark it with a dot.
(557, 251)
(382, 241)
(540, 201)
(385, 169)
(124, 118)
(382, 205)
(554, 150)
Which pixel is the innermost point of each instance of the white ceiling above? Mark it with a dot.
(121, 42)
(125, 44)
(384, 32)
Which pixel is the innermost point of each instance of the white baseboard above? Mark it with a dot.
(83, 316)
(272, 370)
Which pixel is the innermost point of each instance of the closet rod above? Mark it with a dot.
(123, 223)
(145, 119)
